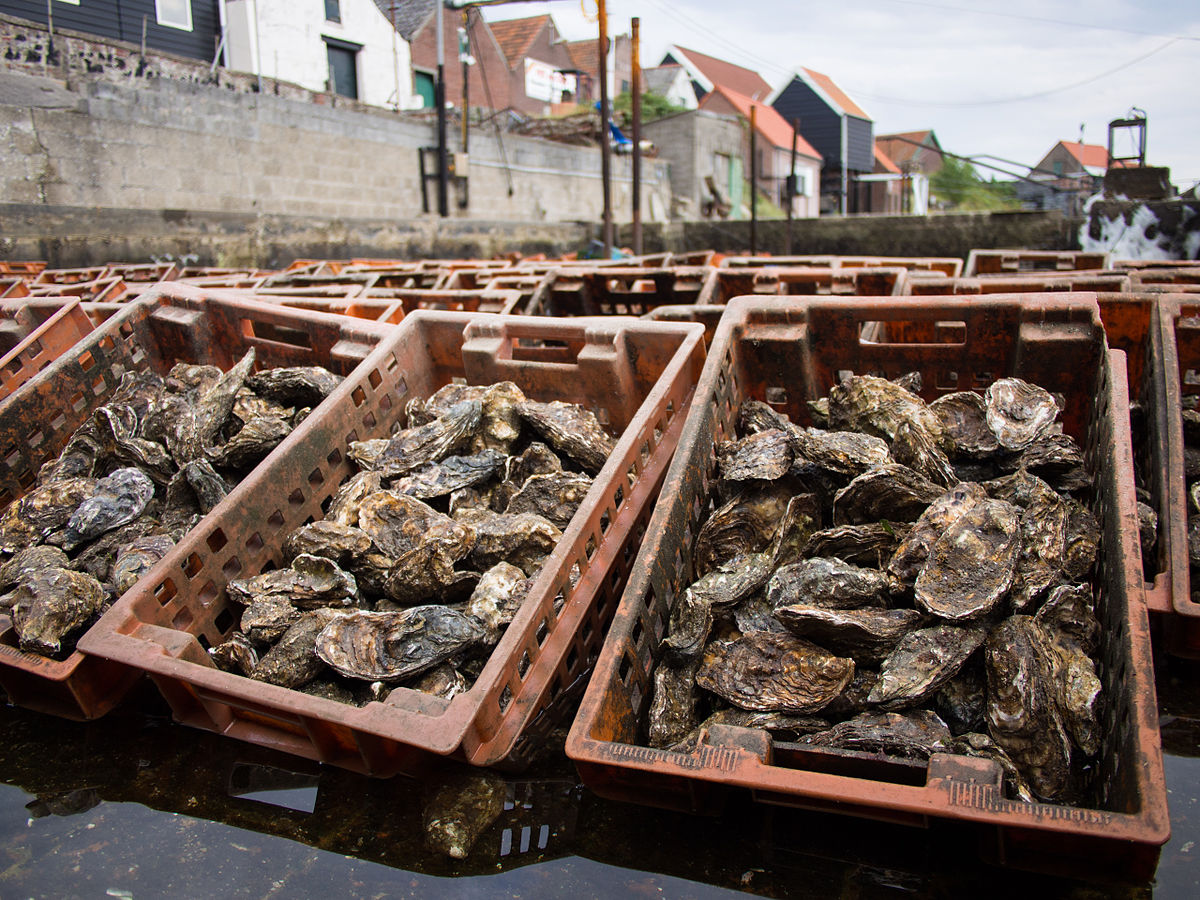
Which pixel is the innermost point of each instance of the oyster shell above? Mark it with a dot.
(877, 406)
(1069, 618)
(524, 539)
(44, 509)
(293, 662)
(1022, 705)
(764, 456)
(867, 635)
(571, 429)
(972, 564)
(461, 810)
(916, 449)
(344, 544)
(235, 655)
(769, 671)
(782, 726)
(844, 452)
(267, 618)
(294, 385)
(536, 459)
(865, 545)
(827, 583)
(136, 559)
(917, 734)
(555, 496)
(982, 746)
(414, 448)
(392, 646)
(890, 491)
(50, 607)
(310, 582)
(962, 701)
(964, 417)
(346, 504)
(498, 595)
(443, 681)
(437, 479)
(30, 561)
(1018, 413)
(117, 500)
(673, 712)
(745, 524)
(910, 556)
(921, 662)
(252, 443)
(688, 627)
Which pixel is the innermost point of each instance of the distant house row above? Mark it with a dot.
(384, 53)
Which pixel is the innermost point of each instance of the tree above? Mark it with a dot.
(958, 186)
(654, 107)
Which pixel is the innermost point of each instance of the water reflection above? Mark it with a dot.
(136, 806)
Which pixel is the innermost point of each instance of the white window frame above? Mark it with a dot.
(158, 16)
(70, 2)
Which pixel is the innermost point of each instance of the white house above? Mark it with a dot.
(348, 47)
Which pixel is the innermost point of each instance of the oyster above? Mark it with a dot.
(890, 491)
(29, 562)
(437, 479)
(524, 539)
(913, 551)
(1068, 617)
(732, 582)
(914, 448)
(921, 662)
(310, 582)
(44, 509)
(866, 544)
(461, 810)
(756, 614)
(207, 487)
(877, 406)
(294, 385)
(972, 564)
(1147, 529)
(844, 452)
(745, 524)
(136, 559)
(554, 496)
(118, 499)
(536, 459)
(764, 456)
(98, 557)
(235, 655)
(1018, 413)
(392, 646)
(827, 583)
(443, 681)
(782, 726)
(983, 747)
(688, 628)
(1022, 705)
(962, 701)
(414, 448)
(428, 569)
(252, 443)
(1043, 539)
(266, 618)
(498, 595)
(293, 661)
(344, 544)
(673, 704)
(571, 429)
(964, 417)
(768, 671)
(346, 504)
(867, 635)
(916, 734)
(50, 607)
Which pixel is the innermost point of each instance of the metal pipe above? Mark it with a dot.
(753, 181)
(845, 176)
(637, 142)
(466, 71)
(439, 98)
(605, 152)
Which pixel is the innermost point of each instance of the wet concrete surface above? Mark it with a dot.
(135, 806)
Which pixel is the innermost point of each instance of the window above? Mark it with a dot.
(174, 13)
(343, 67)
(1058, 167)
(423, 85)
(333, 11)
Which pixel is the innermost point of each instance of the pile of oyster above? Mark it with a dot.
(132, 480)
(906, 579)
(425, 554)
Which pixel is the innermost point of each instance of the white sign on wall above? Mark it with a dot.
(544, 82)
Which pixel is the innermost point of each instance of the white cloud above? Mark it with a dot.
(922, 51)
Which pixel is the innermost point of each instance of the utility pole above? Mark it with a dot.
(605, 153)
(464, 54)
(439, 99)
(791, 185)
(637, 141)
(753, 182)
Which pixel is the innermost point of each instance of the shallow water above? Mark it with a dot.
(135, 806)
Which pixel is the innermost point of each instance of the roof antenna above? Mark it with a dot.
(1081, 124)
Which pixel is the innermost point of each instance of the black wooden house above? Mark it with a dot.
(839, 130)
(189, 28)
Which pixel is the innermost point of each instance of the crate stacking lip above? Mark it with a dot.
(788, 351)
(1175, 355)
(172, 323)
(53, 328)
(638, 376)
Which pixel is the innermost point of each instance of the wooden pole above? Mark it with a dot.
(439, 98)
(605, 151)
(637, 142)
(791, 185)
(753, 183)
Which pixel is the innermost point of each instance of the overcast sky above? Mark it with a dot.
(1008, 79)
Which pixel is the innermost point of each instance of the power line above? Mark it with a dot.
(1007, 15)
(1019, 99)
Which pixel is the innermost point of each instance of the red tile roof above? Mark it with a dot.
(516, 35)
(836, 94)
(736, 78)
(767, 121)
(882, 162)
(585, 55)
(903, 146)
(1092, 155)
